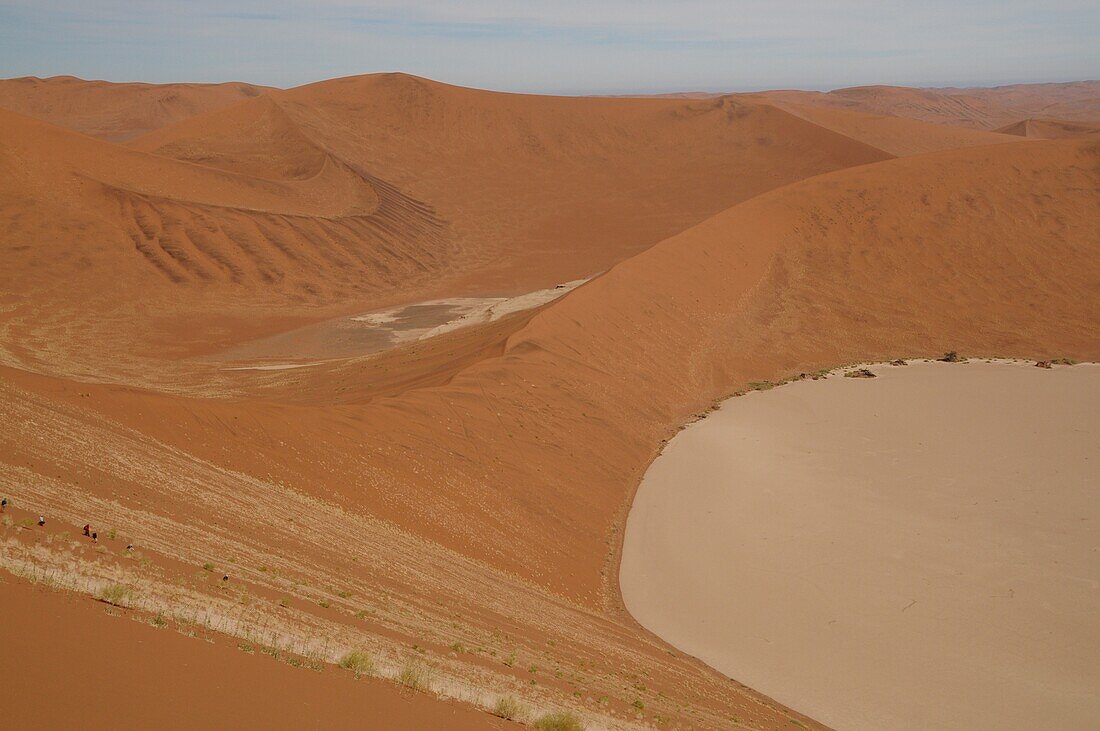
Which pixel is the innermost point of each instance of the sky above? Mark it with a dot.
(560, 46)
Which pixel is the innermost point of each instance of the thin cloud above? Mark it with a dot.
(569, 45)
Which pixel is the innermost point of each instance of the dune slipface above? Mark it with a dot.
(459, 500)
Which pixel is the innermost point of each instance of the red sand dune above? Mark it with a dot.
(359, 192)
(973, 108)
(56, 640)
(898, 135)
(476, 484)
(1050, 129)
(113, 111)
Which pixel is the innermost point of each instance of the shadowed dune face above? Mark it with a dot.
(476, 483)
(897, 135)
(1051, 129)
(116, 112)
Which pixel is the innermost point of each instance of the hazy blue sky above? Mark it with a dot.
(570, 46)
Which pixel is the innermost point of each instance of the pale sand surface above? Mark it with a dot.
(374, 332)
(916, 551)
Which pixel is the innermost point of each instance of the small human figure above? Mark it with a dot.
(130, 547)
(3, 504)
(41, 520)
(87, 529)
(95, 537)
(225, 577)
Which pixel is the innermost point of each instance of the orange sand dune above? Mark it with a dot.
(1078, 101)
(910, 256)
(897, 135)
(973, 108)
(1050, 129)
(477, 485)
(173, 238)
(81, 656)
(112, 111)
(546, 189)
(361, 192)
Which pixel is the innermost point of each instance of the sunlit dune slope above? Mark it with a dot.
(113, 111)
(974, 108)
(92, 230)
(545, 189)
(297, 205)
(172, 681)
(989, 250)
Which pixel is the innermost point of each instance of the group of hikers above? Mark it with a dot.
(88, 532)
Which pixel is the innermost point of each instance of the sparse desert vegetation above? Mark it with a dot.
(416, 675)
(510, 708)
(358, 662)
(116, 594)
(558, 721)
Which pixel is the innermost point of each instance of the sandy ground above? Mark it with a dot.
(65, 661)
(476, 483)
(376, 331)
(915, 551)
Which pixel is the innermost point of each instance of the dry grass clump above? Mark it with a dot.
(416, 676)
(115, 594)
(559, 721)
(509, 708)
(358, 662)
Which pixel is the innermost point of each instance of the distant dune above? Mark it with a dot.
(898, 135)
(367, 191)
(974, 108)
(1050, 129)
(112, 111)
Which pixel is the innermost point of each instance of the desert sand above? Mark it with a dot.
(173, 681)
(916, 551)
(458, 496)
